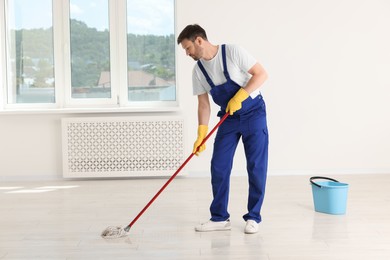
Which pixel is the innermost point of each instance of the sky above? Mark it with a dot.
(143, 16)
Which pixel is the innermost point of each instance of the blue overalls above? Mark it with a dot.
(249, 123)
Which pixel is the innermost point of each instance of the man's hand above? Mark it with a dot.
(202, 132)
(236, 102)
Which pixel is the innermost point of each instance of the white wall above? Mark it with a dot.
(329, 87)
(327, 95)
(30, 147)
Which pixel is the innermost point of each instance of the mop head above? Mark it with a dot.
(114, 232)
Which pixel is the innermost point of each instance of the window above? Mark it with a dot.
(150, 50)
(90, 49)
(30, 52)
(95, 53)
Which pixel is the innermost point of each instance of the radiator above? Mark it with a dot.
(121, 146)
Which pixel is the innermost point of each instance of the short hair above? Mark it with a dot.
(191, 32)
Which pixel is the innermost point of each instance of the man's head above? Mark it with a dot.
(191, 39)
(191, 32)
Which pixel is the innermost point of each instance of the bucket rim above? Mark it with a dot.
(331, 185)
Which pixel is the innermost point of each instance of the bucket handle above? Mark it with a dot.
(319, 177)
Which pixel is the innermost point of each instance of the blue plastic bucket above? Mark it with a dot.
(329, 196)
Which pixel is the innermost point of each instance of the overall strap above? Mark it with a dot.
(211, 83)
(225, 71)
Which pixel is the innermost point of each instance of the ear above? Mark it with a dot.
(199, 40)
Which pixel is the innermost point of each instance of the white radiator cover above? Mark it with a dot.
(122, 146)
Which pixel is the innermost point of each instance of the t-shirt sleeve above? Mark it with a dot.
(243, 59)
(197, 87)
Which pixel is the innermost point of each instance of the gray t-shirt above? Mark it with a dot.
(238, 60)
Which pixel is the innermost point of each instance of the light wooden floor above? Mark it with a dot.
(63, 220)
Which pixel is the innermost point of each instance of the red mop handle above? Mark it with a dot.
(176, 173)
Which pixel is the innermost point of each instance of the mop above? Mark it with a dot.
(119, 231)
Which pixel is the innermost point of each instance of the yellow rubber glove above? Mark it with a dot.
(236, 101)
(202, 132)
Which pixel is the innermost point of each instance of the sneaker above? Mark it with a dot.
(213, 226)
(251, 227)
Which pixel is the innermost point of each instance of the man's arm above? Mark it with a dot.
(203, 121)
(203, 109)
(259, 75)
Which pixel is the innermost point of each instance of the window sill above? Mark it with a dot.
(87, 110)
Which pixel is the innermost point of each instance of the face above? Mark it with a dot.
(193, 48)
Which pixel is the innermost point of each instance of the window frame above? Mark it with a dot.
(62, 67)
(3, 65)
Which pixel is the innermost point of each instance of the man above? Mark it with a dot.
(232, 77)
